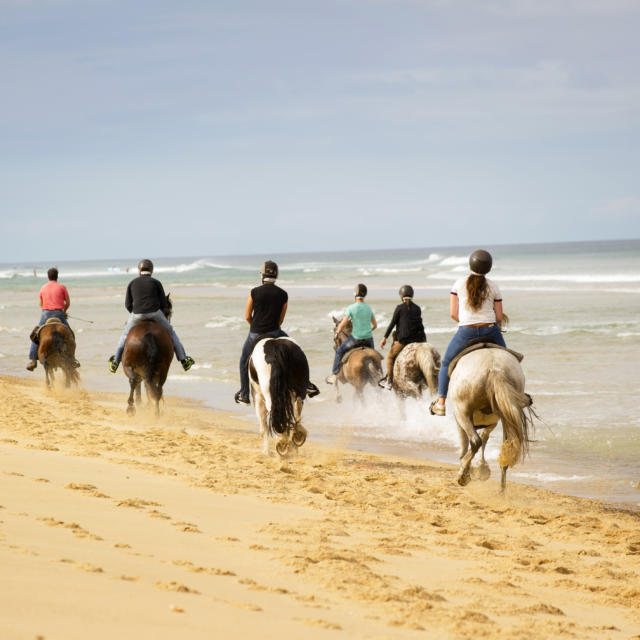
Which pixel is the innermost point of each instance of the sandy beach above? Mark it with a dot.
(180, 527)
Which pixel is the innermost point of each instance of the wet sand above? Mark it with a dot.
(145, 527)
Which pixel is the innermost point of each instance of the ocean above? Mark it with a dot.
(574, 310)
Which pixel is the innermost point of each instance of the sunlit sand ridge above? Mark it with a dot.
(117, 528)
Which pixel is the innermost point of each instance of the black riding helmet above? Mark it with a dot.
(269, 269)
(360, 290)
(480, 261)
(145, 265)
(406, 291)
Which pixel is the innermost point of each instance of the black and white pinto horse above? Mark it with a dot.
(279, 374)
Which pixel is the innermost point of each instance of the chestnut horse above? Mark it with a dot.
(57, 349)
(147, 355)
(361, 365)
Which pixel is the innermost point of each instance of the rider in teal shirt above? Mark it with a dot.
(363, 322)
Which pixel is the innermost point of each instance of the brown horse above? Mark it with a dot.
(361, 366)
(147, 355)
(57, 350)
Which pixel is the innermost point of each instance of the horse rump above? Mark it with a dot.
(289, 377)
(152, 363)
(59, 353)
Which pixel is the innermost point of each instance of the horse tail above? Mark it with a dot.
(372, 370)
(153, 357)
(289, 378)
(512, 406)
(59, 344)
(428, 361)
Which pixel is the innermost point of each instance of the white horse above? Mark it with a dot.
(487, 386)
(279, 374)
(415, 369)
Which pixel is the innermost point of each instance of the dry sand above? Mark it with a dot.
(113, 527)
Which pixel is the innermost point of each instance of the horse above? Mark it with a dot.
(279, 376)
(57, 350)
(487, 386)
(147, 356)
(415, 369)
(361, 366)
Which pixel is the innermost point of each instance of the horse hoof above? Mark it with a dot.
(299, 436)
(282, 446)
(464, 477)
(131, 411)
(481, 472)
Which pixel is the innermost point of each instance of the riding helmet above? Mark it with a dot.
(360, 290)
(480, 261)
(269, 269)
(145, 265)
(406, 291)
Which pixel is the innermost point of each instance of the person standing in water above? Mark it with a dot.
(54, 302)
(475, 304)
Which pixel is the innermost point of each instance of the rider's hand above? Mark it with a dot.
(383, 342)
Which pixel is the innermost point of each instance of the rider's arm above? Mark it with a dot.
(342, 324)
(162, 296)
(67, 302)
(454, 307)
(374, 323)
(248, 310)
(387, 333)
(497, 307)
(283, 313)
(128, 300)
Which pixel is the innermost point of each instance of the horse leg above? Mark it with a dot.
(503, 479)
(138, 394)
(134, 383)
(465, 425)
(261, 412)
(483, 472)
(338, 396)
(299, 433)
(48, 375)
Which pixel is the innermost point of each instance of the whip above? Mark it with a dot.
(81, 319)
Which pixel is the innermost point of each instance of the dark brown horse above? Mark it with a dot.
(147, 355)
(361, 366)
(57, 350)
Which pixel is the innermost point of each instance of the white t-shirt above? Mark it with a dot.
(485, 314)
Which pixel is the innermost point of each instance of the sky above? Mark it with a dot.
(184, 128)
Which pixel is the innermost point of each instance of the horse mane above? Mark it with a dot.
(289, 375)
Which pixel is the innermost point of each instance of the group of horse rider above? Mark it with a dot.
(475, 304)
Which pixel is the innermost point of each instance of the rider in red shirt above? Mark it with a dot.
(54, 301)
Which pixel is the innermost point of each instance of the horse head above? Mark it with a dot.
(168, 310)
(340, 336)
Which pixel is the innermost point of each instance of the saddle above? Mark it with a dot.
(35, 334)
(480, 343)
(361, 344)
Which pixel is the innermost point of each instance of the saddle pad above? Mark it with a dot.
(53, 321)
(347, 354)
(481, 345)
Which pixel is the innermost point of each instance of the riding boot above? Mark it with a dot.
(32, 365)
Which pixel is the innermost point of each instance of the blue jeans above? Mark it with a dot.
(160, 318)
(344, 347)
(458, 343)
(44, 316)
(247, 348)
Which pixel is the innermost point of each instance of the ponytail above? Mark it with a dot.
(477, 290)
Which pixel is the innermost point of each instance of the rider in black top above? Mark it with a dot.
(407, 318)
(265, 311)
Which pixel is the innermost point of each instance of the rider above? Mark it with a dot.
(407, 317)
(54, 301)
(363, 322)
(265, 311)
(476, 305)
(145, 300)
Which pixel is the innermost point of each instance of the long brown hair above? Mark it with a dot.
(477, 290)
